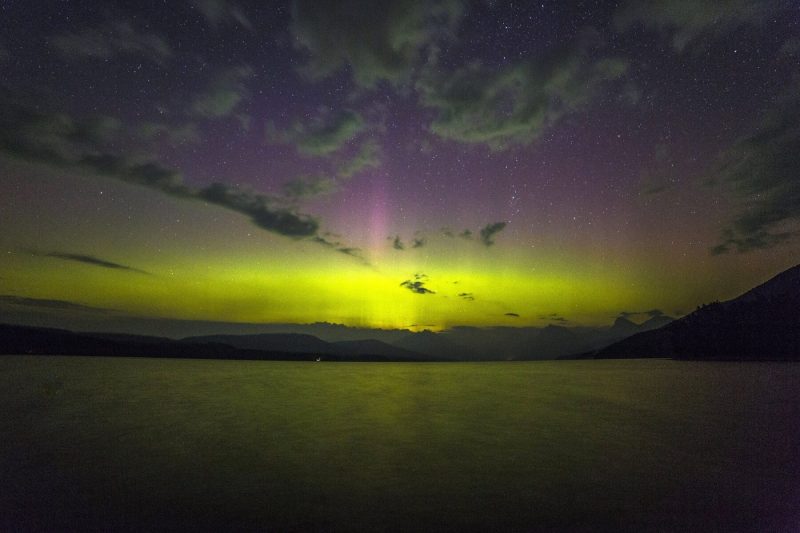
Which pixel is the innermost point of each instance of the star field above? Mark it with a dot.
(394, 164)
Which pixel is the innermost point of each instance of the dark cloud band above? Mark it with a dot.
(489, 231)
(59, 141)
(89, 260)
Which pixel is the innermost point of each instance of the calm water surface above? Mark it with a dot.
(133, 444)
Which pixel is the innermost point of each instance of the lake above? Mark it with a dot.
(132, 444)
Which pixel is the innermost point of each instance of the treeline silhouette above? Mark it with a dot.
(765, 329)
(762, 324)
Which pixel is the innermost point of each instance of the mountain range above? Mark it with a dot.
(763, 323)
(16, 339)
(455, 344)
(459, 343)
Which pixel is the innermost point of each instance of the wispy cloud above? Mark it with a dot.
(261, 209)
(89, 260)
(377, 40)
(762, 172)
(61, 142)
(515, 104)
(651, 313)
(223, 94)
(309, 187)
(180, 134)
(554, 317)
(485, 236)
(489, 231)
(688, 22)
(368, 156)
(306, 187)
(326, 133)
(112, 39)
(417, 241)
(417, 285)
(56, 305)
(330, 241)
(221, 13)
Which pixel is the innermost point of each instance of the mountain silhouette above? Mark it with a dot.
(50, 341)
(285, 347)
(335, 342)
(434, 345)
(761, 324)
(656, 322)
(279, 342)
(374, 347)
(623, 327)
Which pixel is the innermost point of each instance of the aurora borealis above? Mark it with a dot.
(397, 164)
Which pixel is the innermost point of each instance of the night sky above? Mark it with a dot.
(394, 164)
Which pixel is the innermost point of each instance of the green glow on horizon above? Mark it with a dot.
(311, 284)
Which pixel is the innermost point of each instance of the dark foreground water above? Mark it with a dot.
(142, 444)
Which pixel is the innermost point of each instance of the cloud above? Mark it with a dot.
(244, 120)
(763, 172)
(148, 173)
(651, 313)
(689, 21)
(186, 133)
(223, 94)
(61, 142)
(115, 38)
(261, 210)
(368, 156)
(57, 140)
(376, 40)
(99, 129)
(89, 260)
(512, 315)
(352, 252)
(221, 13)
(489, 231)
(514, 104)
(39, 303)
(309, 186)
(417, 285)
(417, 241)
(554, 317)
(325, 134)
(658, 176)
(790, 49)
(486, 234)
(304, 187)
(341, 248)
(467, 296)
